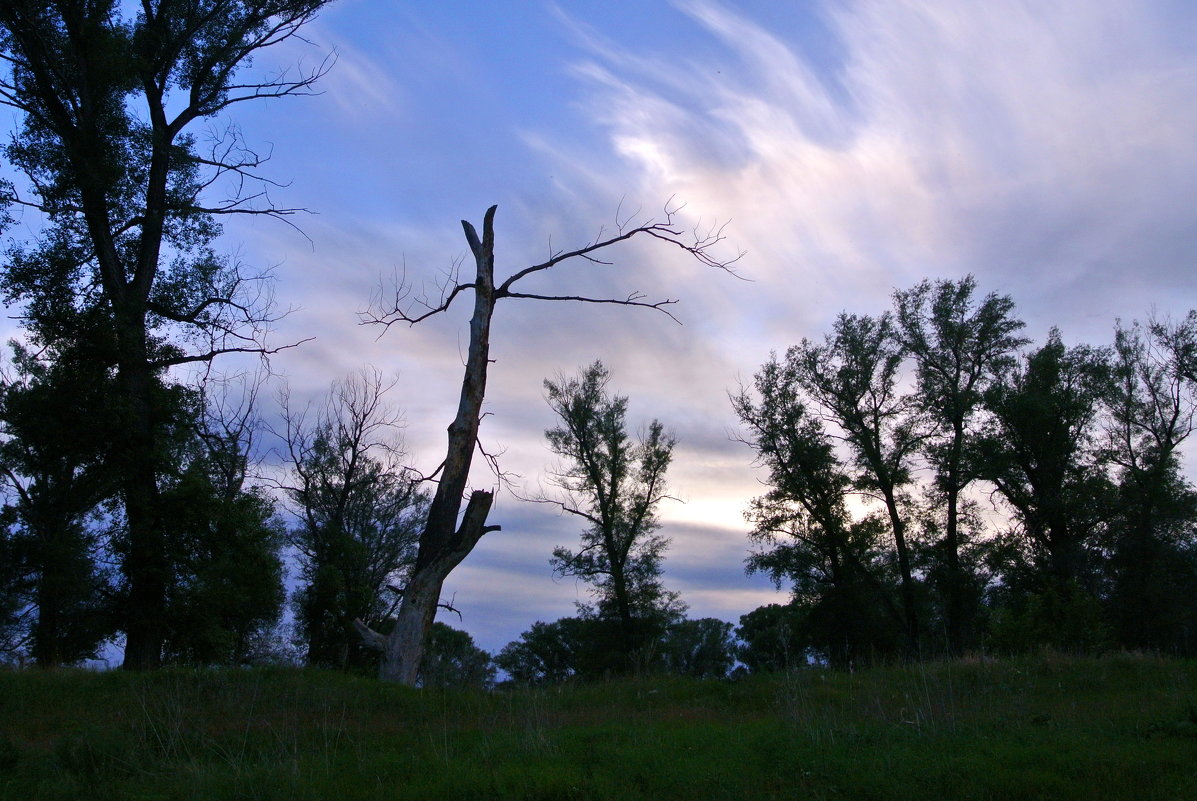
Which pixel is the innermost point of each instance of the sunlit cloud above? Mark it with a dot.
(1001, 141)
(1048, 150)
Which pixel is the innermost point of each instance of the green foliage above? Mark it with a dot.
(615, 486)
(1040, 451)
(703, 648)
(1153, 539)
(773, 638)
(360, 516)
(853, 377)
(13, 590)
(452, 660)
(103, 96)
(547, 653)
(56, 476)
(227, 591)
(224, 592)
(586, 648)
(958, 345)
(1062, 618)
(804, 530)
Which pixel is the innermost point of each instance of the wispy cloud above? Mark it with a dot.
(1046, 148)
(1041, 149)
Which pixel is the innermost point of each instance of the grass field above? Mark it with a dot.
(1122, 727)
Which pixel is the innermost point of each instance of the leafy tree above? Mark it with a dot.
(585, 648)
(226, 591)
(958, 345)
(53, 461)
(547, 653)
(360, 512)
(104, 102)
(804, 530)
(445, 541)
(853, 377)
(452, 660)
(773, 638)
(1026, 616)
(1039, 449)
(703, 648)
(1153, 541)
(615, 486)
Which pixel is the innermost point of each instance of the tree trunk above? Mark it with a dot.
(627, 625)
(404, 648)
(146, 564)
(955, 588)
(443, 543)
(909, 601)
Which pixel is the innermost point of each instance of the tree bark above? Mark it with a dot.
(146, 563)
(909, 600)
(444, 544)
(955, 578)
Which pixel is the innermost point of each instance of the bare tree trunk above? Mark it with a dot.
(444, 544)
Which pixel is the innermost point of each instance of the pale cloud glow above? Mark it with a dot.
(853, 148)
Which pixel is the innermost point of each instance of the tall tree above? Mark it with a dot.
(803, 525)
(853, 376)
(958, 345)
(1039, 447)
(1151, 405)
(445, 542)
(105, 101)
(615, 486)
(1040, 450)
(360, 511)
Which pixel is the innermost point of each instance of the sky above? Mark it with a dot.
(851, 148)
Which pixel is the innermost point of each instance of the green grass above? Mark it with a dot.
(1050, 728)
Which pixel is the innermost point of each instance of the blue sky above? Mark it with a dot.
(853, 148)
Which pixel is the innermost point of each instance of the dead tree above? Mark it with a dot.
(449, 535)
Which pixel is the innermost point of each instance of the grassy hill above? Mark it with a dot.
(1122, 727)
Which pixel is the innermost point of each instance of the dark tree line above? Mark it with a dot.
(936, 486)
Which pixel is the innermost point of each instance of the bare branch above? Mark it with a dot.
(212, 354)
(698, 243)
(631, 300)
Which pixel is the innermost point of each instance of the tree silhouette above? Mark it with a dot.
(958, 344)
(615, 486)
(105, 103)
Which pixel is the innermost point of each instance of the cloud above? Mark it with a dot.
(1048, 150)
(1012, 142)
(1009, 141)
(363, 89)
